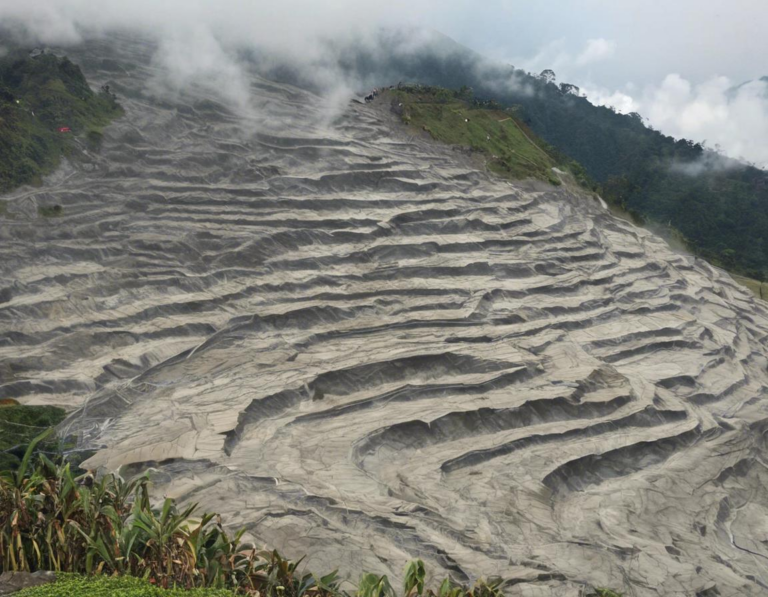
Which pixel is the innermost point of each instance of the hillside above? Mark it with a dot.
(456, 118)
(45, 104)
(719, 205)
(351, 340)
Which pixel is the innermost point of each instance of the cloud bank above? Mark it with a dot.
(729, 118)
(204, 41)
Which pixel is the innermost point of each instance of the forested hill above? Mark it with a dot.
(45, 105)
(719, 205)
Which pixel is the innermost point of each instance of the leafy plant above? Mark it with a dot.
(19, 424)
(51, 519)
(415, 573)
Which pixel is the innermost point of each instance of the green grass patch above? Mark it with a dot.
(509, 148)
(70, 585)
(38, 98)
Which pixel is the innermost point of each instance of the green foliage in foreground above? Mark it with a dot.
(70, 585)
(19, 425)
(37, 97)
(50, 519)
(452, 117)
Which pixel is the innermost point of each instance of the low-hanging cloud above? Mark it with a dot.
(595, 51)
(730, 119)
(203, 41)
(559, 57)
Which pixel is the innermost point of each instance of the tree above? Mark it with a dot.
(569, 89)
(548, 76)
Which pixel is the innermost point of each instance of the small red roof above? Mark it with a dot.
(64, 129)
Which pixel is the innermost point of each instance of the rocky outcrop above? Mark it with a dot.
(364, 349)
(13, 582)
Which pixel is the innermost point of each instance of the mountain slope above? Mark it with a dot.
(719, 205)
(350, 340)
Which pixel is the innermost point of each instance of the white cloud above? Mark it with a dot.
(595, 51)
(199, 40)
(567, 64)
(620, 101)
(733, 119)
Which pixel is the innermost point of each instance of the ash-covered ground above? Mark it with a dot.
(363, 348)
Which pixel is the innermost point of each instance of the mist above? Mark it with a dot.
(729, 118)
(204, 42)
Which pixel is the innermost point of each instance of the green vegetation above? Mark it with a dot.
(50, 211)
(38, 97)
(453, 117)
(19, 425)
(71, 585)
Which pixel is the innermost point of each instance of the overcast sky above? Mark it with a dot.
(651, 38)
(672, 60)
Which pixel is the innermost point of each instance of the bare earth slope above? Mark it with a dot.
(365, 350)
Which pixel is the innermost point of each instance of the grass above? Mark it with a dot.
(71, 585)
(510, 149)
(38, 96)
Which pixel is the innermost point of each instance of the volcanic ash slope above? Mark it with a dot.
(363, 349)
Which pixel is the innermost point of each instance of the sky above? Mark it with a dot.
(676, 62)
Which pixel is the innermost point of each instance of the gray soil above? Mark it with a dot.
(362, 348)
